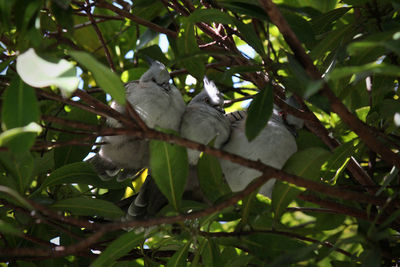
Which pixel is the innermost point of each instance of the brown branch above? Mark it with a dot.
(57, 251)
(103, 17)
(150, 25)
(95, 129)
(59, 217)
(315, 126)
(208, 66)
(267, 170)
(39, 146)
(99, 35)
(361, 129)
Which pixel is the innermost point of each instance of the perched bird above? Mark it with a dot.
(273, 146)
(159, 104)
(204, 120)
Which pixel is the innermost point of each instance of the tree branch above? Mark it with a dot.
(361, 129)
(99, 35)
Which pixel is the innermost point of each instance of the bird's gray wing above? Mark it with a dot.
(148, 201)
(158, 103)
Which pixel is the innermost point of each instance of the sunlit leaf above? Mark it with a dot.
(89, 207)
(307, 164)
(39, 72)
(118, 248)
(169, 168)
(20, 112)
(107, 80)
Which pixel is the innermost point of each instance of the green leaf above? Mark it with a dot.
(306, 164)
(19, 166)
(331, 41)
(338, 160)
(89, 207)
(381, 68)
(300, 26)
(169, 168)
(73, 153)
(20, 111)
(259, 112)
(257, 244)
(38, 72)
(7, 228)
(210, 253)
(306, 87)
(14, 196)
(209, 15)
(244, 7)
(7, 136)
(210, 178)
(80, 173)
(250, 36)
(282, 195)
(107, 80)
(323, 22)
(179, 258)
(118, 248)
(187, 47)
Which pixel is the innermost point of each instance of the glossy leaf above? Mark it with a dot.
(307, 164)
(107, 80)
(324, 21)
(118, 248)
(210, 253)
(19, 113)
(7, 228)
(9, 135)
(179, 258)
(250, 36)
(89, 207)
(169, 168)
(259, 113)
(210, 178)
(80, 173)
(39, 72)
(339, 157)
(382, 68)
(19, 167)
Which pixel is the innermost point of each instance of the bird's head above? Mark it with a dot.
(157, 74)
(210, 96)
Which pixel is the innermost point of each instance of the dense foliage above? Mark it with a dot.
(337, 199)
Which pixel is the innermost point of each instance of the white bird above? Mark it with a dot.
(204, 120)
(273, 146)
(159, 104)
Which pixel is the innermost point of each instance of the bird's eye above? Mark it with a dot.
(153, 80)
(207, 100)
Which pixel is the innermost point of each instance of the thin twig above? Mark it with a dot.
(150, 25)
(100, 36)
(361, 129)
